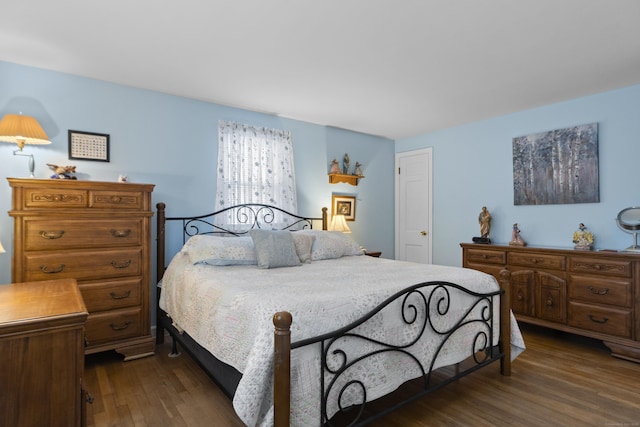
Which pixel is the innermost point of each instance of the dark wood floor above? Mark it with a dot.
(560, 380)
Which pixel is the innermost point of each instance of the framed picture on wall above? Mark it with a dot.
(88, 146)
(344, 205)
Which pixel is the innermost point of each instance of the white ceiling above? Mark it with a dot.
(393, 68)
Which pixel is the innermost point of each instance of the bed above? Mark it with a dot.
(298, 327)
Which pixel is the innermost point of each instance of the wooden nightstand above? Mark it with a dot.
(42, 343)
(374, 254)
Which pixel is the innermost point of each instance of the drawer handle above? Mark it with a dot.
(120, 327)
(124, 264)
(123, 296)
(519, 297)
(595, 291)
(50, 235)
(116, 199)
(120, 233)
(601, 321)
(47, 270)
(549, 301)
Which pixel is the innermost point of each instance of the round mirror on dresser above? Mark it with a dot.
(628, 220)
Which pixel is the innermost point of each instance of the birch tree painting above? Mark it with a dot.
(557, 167)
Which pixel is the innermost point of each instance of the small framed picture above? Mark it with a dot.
(88, 146)
(344, 205)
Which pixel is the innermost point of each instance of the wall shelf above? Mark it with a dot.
(335, 178)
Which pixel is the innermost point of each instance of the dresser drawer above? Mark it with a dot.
(55, 198)
(116, 199)
(605, 320)
(112, 295)
(56, 234)
(551, 262)
(603, 266)
(83, 265)
(486, 256)
(113, 325)
(601, 291)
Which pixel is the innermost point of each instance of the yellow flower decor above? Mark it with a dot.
(582, 238)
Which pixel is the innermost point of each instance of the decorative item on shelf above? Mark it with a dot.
(22, 130)
(516, 239)
(484, 219)
(628, 220)
(338, 223)
(358, 170)
(62, 172)
(583, 238)
(335, 167)
(345, 165)
(336, 175)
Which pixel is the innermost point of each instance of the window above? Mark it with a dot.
(255, 165)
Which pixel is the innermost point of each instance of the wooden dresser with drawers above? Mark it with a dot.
(99, 234)
(590, 293)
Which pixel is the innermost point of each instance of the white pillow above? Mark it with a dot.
(332, 244)
(216, 250)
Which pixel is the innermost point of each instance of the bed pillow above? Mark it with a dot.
(332, 244)
(216, 250)
(303, 244)
(274, 248)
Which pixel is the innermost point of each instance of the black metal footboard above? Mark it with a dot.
(430, 317)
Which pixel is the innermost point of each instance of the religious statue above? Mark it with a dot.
(335, 167)
(484, 219)
(516, 239)
(582, 238)
(358, 170)
(345, 167)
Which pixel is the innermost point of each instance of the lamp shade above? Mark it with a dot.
(22, 130)
(338, 223)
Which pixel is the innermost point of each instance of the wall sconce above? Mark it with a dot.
(22, 130)
(338, 223)
(1, 248)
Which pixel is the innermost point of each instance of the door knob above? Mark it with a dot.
(424, 233)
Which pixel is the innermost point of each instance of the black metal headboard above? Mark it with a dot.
(249, 215)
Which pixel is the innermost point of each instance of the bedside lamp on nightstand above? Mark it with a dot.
(338, 223)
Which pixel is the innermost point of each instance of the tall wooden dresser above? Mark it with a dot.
(99, 234)
(590, 293)
(41, 342)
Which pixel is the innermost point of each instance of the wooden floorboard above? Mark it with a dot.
(560, 380)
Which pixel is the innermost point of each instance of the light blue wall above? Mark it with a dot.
(171, 142)
(472, 167)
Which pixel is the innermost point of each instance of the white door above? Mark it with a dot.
(413, 206)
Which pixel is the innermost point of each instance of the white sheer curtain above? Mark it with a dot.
(255, 165)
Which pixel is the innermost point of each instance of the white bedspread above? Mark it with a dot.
(228, 310)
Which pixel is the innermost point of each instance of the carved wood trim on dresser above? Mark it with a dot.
(98, 233)
(589, 293)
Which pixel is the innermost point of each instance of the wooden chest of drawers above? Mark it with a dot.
(596, 294)
(99, 234)
(41, 340)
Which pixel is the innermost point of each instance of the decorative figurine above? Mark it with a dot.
(62, 172)
(484, 219)
(582, 238)
(335, 167)
(345, 168)
(516, 239)
(358, 170)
